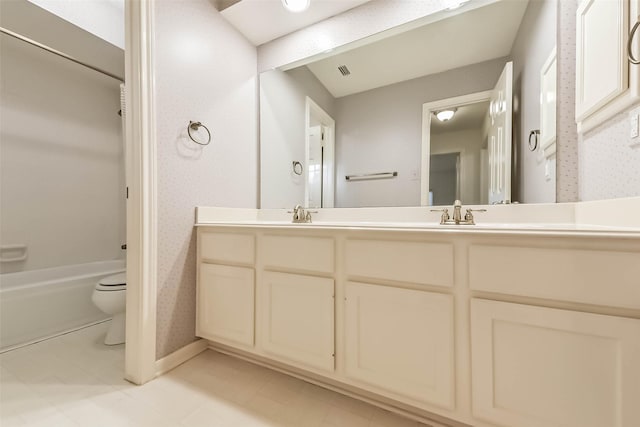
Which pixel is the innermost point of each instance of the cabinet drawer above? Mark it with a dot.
(227, 247)
(416, 262)
(299, 253)
(585, 276)
(542, 367)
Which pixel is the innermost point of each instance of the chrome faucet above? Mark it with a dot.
(445, 219)
(300, 216)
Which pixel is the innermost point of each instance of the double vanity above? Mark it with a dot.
(504, 323)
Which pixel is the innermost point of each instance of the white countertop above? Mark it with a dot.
(615, 218)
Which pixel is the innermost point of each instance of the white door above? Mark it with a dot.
(297, 321)
(401, 342)
(225, 310)
(319, 150)
(314, 167)
(501, 112)
(543, 367)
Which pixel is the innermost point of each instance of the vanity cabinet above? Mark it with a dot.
(400, 341)
(298, 319)
(542, 367)
(487, 328)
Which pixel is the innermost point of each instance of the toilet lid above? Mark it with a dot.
(115, 282)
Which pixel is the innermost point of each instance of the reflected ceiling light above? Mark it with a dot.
(296, 5)
(446, 115)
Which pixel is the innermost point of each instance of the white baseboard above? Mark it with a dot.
(180, 356)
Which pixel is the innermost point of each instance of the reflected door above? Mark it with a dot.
(501, 112)
(315, 166)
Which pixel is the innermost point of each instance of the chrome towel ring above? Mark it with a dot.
(196, 126)
(632, 34)
(297, 167)
(533, 144)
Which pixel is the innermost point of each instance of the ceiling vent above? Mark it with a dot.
(344, 70)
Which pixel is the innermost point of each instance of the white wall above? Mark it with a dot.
(205, 71)
(533, 44)
(469, 143)
(282, 133)
(103, 18)
(381, 131)
(61, 160)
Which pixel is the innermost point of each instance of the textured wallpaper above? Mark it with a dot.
(610, 160)
(205, 71)
(566, 129)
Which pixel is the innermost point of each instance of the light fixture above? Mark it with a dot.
(296, 5)
(445, 115)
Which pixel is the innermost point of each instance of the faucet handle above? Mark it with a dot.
(445, 214)
(469, 215)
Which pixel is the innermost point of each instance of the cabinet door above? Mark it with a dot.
(401, 341)
(601, 61)
(543, 367)
(298, 313)
(226, 304)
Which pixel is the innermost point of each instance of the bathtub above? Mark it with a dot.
(39, 304)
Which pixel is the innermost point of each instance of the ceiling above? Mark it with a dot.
(470, 116)
(470, 37)
(264, 20)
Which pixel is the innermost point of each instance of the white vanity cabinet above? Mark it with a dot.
(400, 341)
(459, 326)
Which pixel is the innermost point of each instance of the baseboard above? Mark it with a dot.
(180, 356)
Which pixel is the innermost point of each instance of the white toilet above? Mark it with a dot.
(110, 297)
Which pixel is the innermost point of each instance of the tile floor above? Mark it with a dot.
(74, 380)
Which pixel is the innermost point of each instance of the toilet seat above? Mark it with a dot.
(115, 282)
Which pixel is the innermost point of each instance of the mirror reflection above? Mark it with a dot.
(438, 112)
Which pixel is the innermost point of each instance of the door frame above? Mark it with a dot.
(427, 110)
(325, 120)
(141, 181)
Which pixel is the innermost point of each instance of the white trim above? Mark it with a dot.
(328, 196)
(427, 108)
(140, 350)
(180, 356)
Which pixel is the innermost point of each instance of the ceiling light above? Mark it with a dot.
(445, 115)
(296, 5)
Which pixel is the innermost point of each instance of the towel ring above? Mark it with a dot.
(632, 58)
(535, 134)
(196, 126)
(297, 167)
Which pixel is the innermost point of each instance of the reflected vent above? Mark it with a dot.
(344, 70)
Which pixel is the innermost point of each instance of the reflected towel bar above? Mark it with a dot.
(381, 175)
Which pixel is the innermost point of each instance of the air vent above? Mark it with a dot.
(344, 70)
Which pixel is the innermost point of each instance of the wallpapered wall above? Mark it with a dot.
(205, 71)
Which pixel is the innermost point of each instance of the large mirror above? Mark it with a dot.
(460, 108)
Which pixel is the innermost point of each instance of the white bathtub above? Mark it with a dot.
(42, 303)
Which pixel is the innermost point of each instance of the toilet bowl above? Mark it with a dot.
(110, 297)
